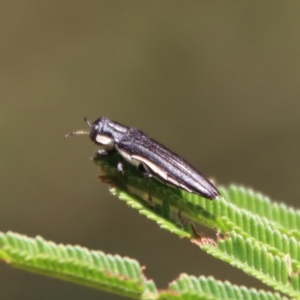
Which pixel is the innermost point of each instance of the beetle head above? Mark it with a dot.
(100, 133)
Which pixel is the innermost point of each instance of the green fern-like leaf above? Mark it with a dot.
(284, 218)
(193, 288)
(120, 275)
(261, 205)
(255, 259)
(111, 273)
(258, 236)
(154, 213)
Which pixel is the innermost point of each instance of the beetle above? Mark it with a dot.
(150, 157)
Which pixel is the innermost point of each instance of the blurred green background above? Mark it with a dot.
(216, 81)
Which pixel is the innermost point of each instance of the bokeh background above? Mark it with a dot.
(216, 81)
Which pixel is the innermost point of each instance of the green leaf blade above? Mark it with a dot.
(190, 287)
(77, 264)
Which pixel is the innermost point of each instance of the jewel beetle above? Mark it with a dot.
(150, 157)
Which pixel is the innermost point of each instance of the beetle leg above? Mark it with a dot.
(145, 172)
(147, 175)
(187, 225)
(195, 233)
(180, 220)
(103, 152)
(120, 167)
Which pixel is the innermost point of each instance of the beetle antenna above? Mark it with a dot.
(87, 121)
(80, 132)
